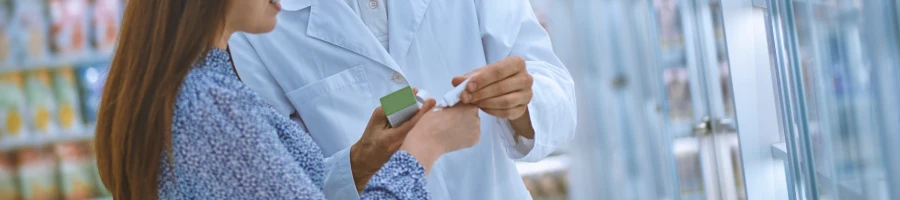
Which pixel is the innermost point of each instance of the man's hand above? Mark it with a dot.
(379, 142)
(503, 90)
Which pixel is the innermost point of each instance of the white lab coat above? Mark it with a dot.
(324, 67)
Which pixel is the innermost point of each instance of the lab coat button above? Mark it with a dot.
(398, 78)
(373, 4)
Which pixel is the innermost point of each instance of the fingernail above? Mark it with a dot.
(472, 87)
(467, 97)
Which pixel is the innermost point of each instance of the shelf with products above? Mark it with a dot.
(87, 60)
(8, 144)
(61, 170)
(53, 59)
(52, 33)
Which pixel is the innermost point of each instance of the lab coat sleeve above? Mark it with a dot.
(510, 28)
(254, 72)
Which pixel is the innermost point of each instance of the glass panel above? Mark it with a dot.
(699, 97)
(675, 25)
(609, 48)
(642, 74)
(835, 97)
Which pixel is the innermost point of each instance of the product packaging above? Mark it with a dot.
(399, 106)
(66, 92)
(8, 187)
(6, 47)
(100, 189)
(37, 173)
(13, 118)
(90, 82)
(107, 15)
(41, 103)
(30, 28)
(69, 27)
(75, 163)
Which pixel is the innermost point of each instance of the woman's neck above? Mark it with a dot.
(223, 40)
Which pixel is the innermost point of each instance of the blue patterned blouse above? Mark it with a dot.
(227, 143)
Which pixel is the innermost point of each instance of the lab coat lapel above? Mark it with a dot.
(334, 22)
(404, 18)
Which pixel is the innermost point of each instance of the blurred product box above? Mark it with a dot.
(12, 107)
(6, 47)
(30, 29)
(98, 183)
(66, 92)
(37, 173)
(69, 27)
(90, 84)
(76, 171)
(41, 103)
(107, 15)
(8, 187)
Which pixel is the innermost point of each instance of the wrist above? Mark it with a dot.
(365, 161)
(522, 126)
(422, 149)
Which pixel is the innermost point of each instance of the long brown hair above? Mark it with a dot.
(159, 43)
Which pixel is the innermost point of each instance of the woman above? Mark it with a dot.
(177, 123)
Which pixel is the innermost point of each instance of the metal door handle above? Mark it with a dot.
(708, 127)
(703, 128)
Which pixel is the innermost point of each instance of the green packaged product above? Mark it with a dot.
(12, 107)
(66, 92)
(8, 188)
(76, 179)
(41, 103)
(37, 174)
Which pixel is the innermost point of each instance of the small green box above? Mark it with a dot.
(399, 106)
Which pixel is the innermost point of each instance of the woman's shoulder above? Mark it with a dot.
(204, 85)
(207, 91)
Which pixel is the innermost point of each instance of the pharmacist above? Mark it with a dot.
(328, 62)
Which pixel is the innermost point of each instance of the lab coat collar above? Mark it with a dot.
(402, 26)
(335, 22)
(295, 5)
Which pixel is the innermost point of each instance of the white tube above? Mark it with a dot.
(452, 97)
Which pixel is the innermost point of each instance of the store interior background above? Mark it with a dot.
(678, 99)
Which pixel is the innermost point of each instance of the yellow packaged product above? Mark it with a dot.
(66, 92)
(13, 123)
(41, 102)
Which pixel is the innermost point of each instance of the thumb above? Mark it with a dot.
(459, 79)
(379, 119)
(404, 128)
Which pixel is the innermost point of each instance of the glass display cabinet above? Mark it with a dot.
(657, 117)
(731, 99)
(835, 68)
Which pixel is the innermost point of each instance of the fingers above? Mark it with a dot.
(408, 125)
(495, 72)
(512, 113)
(459, 79)
(519, 82)
(506, 101)
(415, 91)
(427, 106)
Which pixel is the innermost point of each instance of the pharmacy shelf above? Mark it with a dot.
(57, 62)
(547, 165)
(38, 141)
